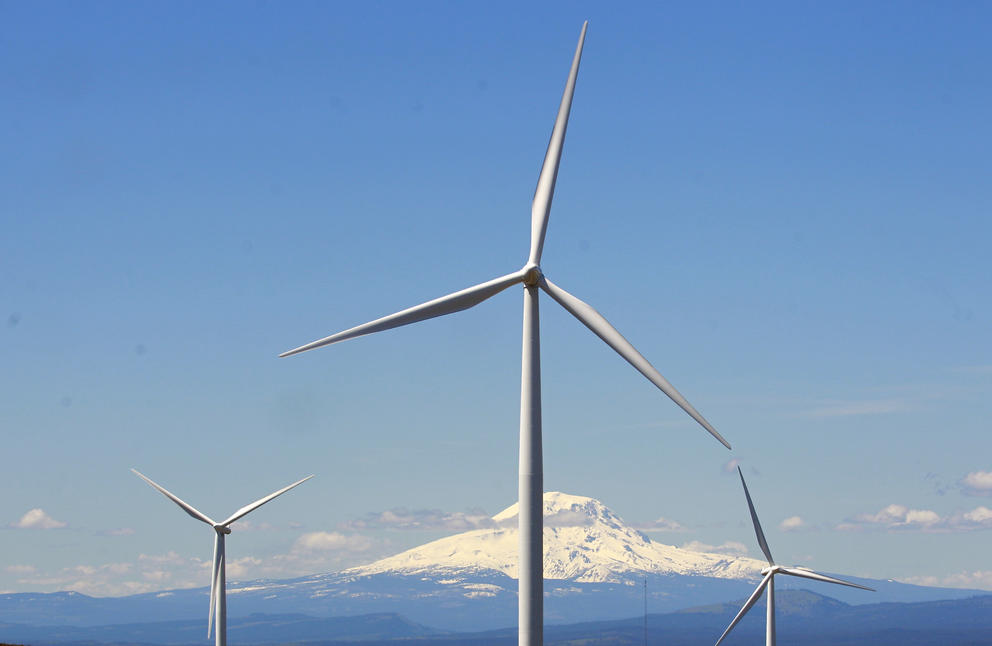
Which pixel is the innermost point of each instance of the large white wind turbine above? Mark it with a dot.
(768, 582)
(530, 275)
(218, 577)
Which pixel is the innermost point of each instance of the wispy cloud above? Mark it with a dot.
(901, 518)
(977, 579)
(20, 569)
(792, 524)
(420, 519)
(332, 542)
(311, 552)
(119, 531)
(662, 524)
(37, 519)
(850, 409)
(732, 548)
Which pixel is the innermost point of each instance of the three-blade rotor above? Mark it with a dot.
(774, 569)
(531, 274)
(222, 528)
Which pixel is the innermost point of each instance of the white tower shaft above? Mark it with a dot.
(531, 492)
(220, 632)
(770, 610)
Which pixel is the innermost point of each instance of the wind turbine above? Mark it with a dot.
(531, 483)
(769, 581)
(218, 577)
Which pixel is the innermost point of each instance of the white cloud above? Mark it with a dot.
(893, 517)
(243, 567)
(978, 483)
(332, 542)
(661, 525)
(900, 517)
(792, 524)
(38, 519)
(979, 515)
(731, 465)
(421, 519)
(732, 548)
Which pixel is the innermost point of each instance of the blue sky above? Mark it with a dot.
(784, 207)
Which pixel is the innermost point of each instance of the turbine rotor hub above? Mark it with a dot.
(222, 529)
(532, 275)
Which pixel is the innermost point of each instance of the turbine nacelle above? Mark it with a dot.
(531, 275)
(222, 529)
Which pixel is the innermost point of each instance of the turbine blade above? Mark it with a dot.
(449, 304)
(545, 191)
(602, 328)
(247, 509)
(816, 576)
(188, 508)
(214, 572)
(754, 519)
(753, 599)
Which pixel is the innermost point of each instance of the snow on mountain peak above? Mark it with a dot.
(566, 510)
(583, 541)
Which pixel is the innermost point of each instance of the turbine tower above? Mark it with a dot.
(531, 482)
(769, 581)
(218, 577)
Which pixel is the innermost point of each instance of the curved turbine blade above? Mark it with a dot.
(188, 508)
(214, 574)
(541, 207)
(602, 328)
(816, 576)
(449, 304)
(753, 599)
(247, 509)
(754, 519)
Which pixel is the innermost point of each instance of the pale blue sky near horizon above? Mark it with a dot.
(784, 207)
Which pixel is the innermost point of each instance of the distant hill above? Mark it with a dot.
(254, 629)
(803, 618)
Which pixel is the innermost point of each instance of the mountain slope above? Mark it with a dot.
(584, 541)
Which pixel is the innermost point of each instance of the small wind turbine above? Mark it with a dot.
(531, 479)
(769, 581)
(218, 577)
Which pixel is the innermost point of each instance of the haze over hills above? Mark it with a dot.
(594, 567)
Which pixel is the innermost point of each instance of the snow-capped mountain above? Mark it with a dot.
(584, 541)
